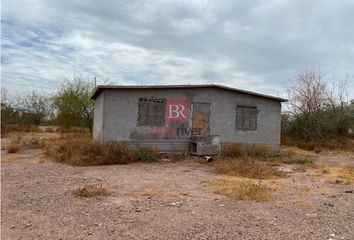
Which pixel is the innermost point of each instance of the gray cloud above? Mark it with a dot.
(255, 45)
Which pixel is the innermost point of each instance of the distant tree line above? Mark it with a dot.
(318, 110)
(71, 106)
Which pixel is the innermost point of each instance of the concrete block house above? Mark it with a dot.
(199, 119)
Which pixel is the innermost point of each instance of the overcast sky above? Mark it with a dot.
(253, 45)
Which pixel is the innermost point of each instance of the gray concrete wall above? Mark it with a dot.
(120, 114)
(98, 117)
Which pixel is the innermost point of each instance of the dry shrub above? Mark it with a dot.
(338, 143)
(146, 154)
(27, 142)
(78, 149)
(340, 174)
(72, 130)
(246, 168)
(241, 189)
(234, 150)
(84, 151)
(260, 151)
(49, 130)
(91, 191)
(13, 148)
(318, 150)
(22, 128)
(177, 156)
(291, 155)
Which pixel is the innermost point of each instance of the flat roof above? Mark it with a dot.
(100, 88)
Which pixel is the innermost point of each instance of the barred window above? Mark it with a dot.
(151, 112)
(246, 118)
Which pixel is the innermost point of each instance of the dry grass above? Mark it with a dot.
(10, 159)
(176, 156)
(13, 148)
(338, 143)
(339, 174)
(80, 150)
(22, 128)
(246, 168)
(241, 189)
(260, 151)
(91, 191)
(146, 154)
(83, 151)
(27, 142)
(234, 150)
(72, 130)
(50, 130)
(291, 155)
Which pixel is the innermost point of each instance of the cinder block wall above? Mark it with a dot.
(116, 115)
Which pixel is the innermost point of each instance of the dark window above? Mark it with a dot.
(151, 112)
(246, 118)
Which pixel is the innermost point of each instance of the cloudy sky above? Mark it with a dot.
(253, 45)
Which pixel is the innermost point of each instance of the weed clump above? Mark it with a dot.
(146, 154)
(241, 189)
(13, 148)
(234, 150)
(81, 150)
(246, 168)
(91, 191)
(260, 151)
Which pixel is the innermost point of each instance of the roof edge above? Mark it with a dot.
(99, 88)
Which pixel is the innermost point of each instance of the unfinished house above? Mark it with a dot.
(199, 119)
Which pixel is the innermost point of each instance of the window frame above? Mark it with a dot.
(244, 112)
(148, 114)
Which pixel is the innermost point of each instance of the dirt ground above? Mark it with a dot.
(166, 200)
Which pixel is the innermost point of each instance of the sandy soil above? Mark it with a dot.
(165, 200)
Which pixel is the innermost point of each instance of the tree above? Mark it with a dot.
(9, 115)
(318, 110)
(36, 107)
(74, 104)
(307, 99)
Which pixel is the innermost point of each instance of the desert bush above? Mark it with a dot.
(146, 154)
(83, 151)
(27, 142)
(49, 130)
(241, 190)
(246, 168)
(78, 149)
(176, 156)
(260, 151)
(21, 128)
(234, 150)
(336, 143)
(72, 130)
(291, 155)
(13, 148)
(91, 191)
